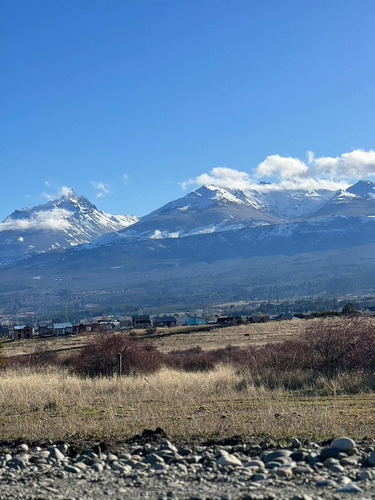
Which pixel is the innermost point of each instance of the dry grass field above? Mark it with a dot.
(53, 404)
(241, 335)
(169, 339)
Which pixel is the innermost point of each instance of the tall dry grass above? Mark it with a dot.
(53, 404)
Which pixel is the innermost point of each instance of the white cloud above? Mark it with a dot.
(102, 187)
(358, 163)
(313, 173)
(125, 178)
(221, 177)
(64, 191)
(55, 219)
(286, 167)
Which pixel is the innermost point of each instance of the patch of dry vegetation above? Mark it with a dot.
(221, 403)
(316, 386)
(170, 339)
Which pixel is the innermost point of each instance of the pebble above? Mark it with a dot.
(227, 459)
(96, 467)
(352, 460)
(350, 488)
(343, 443)
(365, 475)
(371, 459)
(337, 468)
(71, 468)
(56, 454)
(326, 483)
(298, 472)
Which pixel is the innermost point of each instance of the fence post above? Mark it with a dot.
(119, 364)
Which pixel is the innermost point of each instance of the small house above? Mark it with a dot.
(125, 323)
(142, 321)
(191, 320)
(4, 331)
(165, 321)
(232, 320)
(44, 329)
(21, 332)
(60, 329)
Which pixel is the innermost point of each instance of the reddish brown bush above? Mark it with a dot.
(42, 358)
(191, 360)
(340, 345)
(99, 356)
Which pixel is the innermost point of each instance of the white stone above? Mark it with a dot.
(56, 454)
(343, 443)
(97, 467)
(227, 459)
(350, 488)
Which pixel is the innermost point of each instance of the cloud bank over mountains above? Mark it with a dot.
(325, 172)
(54, 219)
(62, 192)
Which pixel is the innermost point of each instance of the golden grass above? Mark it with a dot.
(169, 339)
(53, 404)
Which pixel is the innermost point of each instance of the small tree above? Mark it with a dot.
(349, 308)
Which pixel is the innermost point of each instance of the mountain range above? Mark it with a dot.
(56, 225)
(214, 244)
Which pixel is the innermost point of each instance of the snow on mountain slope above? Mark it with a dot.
(366, 189)
(293, 204)
(62, 223)
(357, 200)
(211, 209)
(205, 210)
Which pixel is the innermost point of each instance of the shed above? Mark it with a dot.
(194, 320)
(62, 329)
(142, 321)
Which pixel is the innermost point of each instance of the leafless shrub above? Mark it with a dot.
(340, 345)
(99, 356)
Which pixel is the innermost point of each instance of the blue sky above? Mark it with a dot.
(129, 101)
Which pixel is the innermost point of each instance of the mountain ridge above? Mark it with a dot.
(254, 253)
(58, 224)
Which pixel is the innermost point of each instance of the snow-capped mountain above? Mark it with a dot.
(357, 200)
(206, 210)
(63, 223)
(213, 244)
(211, 209)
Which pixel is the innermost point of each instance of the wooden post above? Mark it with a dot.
(119, 364)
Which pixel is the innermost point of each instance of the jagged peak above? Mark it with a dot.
(362, 188)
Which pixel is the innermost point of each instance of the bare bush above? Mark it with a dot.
(340, 345)
(99, 356)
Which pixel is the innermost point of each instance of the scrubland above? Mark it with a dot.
(318, 385)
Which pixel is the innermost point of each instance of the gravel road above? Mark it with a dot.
(158, 469)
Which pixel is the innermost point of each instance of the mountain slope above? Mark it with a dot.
(357, 200)
(206, 210)
(303, 258)
(215, 244)
(211, 209)
(69, 221)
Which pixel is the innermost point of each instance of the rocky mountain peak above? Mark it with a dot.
(363, 188)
